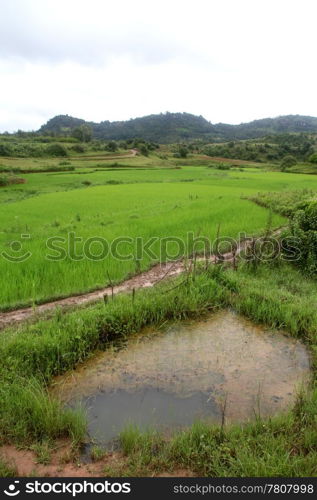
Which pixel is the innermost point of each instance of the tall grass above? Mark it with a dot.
(28, 414)
(32, 355)
(278, 447)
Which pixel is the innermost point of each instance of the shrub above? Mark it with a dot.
(223, 166)
(4, 180)
(78, 148)
(288, 161)
(183, 152)
(82, 133)
(144, 150)
(313, 158)
(304, 229)
(5, 150)
(112, 146)
(56, 149)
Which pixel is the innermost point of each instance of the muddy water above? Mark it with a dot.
(189, 371)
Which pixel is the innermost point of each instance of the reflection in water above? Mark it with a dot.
(169, 379)
(111, 412)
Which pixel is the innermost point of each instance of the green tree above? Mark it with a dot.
(83, 133)
(112, 146)
(313, 158)
(144, 150)
(288, 161)
(182, 152)
(5, 150)
(303, 226)
(56, 150)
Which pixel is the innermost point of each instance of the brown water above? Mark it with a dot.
(189, 371)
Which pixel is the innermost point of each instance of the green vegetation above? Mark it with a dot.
(175, 127)
(119, 209)
(303, 228)
(35, 148)
(97, 453)
(31, 356)
(288, 149)
(265, 448)
(100, 189)
(280, 446)
(6, 180)
(278, 297)
(83, 133)
(313, 158)
(301, 207)
(163, 128)
(118, 200)
(6, 469)
(284, 202)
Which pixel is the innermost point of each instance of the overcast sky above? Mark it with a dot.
(229, 60)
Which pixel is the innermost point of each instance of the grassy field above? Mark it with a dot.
(121, 202)
(148, 197)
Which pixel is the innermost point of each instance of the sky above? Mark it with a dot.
(230, 61)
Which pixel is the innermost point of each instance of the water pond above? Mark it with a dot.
(221, 366)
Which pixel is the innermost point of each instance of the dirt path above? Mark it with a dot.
(146, 279)
(233, 161)
(133, 152)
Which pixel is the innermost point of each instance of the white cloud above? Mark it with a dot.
(228, 60)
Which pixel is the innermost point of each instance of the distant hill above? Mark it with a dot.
(61, 123)
(176, 127)
(163, 128)
(268, 126)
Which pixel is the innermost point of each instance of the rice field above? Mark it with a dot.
(111, 203)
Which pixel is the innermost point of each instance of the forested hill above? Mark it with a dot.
(268, 126)
(175, 127)
(163, 128)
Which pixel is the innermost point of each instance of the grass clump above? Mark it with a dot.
(43, 451)
(265, 448)
(29, 414)
(97, 453)
(7, 469)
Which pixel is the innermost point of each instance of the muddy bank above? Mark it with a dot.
(62, 464)
(223, 366)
